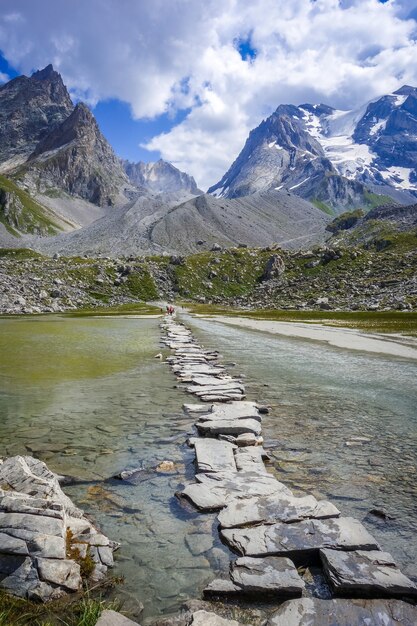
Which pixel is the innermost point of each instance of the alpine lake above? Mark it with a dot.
(88, 397)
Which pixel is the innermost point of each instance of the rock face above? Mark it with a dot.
(160, 177)
(46, 543)
(332, 157)
(50, 144)
(30, 108)
(76, 157)
(314, 612)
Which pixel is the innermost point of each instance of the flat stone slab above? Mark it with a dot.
(229, 427)
(195, 408)
(112, 618)
(234, 410)
(213, 455)
(213, 491)
(206, 618)
(250, 459)
(300, 540)
(272, 509)
(365, 573)
(272, 576)
(315, 612)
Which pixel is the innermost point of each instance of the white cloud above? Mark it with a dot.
(159, 56)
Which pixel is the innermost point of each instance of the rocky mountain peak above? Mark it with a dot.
(405, 90)
(29, 109)
(48, 73)
(160, 177)
(336, 159)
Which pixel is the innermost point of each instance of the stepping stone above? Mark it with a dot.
(195, 408)
(315, 612)
(272, 576)
(365, 574)
(300, 540)
(214, 491)
(213, 455)
(234, 410)
(203, 498)
(250, 459)
(226, 397)
(221, 386)
(229, 427)
(213, 381)
(273, 509)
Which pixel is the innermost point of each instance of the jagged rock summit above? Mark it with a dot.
(337, 159)
(48, 144)
(160, 177)
(29, 109)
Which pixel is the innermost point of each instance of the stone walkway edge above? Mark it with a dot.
(272, 531)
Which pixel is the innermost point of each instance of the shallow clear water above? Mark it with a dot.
(89, 398)
(323, 398)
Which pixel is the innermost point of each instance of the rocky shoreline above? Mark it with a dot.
(48, 547)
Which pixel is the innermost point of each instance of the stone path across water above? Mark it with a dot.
(261, 520)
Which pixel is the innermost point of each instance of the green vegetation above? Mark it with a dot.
(234, 272)
(19, 254)
(345, 221)
(322, 206)
(367, 321)
(141, 284)
(20, 213)
(373, 199)
(72, 611)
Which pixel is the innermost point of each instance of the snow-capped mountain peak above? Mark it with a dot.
(305, 149)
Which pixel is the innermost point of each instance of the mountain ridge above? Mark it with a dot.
(330, 156)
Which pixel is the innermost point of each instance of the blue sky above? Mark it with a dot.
(186, 80)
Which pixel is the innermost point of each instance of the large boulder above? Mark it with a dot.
(274, 268)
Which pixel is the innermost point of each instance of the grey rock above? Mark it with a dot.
(206, 618)
(366, 574)
(275, 508)
(315, 612)
(272, 576)
(300, 540)
(65, 573)
(213, 455)
(229, 427)
(269, 575)
(35, 515)
(113, 618)
(274, 268)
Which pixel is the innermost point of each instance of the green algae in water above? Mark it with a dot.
(38, 351)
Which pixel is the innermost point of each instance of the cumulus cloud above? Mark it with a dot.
(163, 56)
